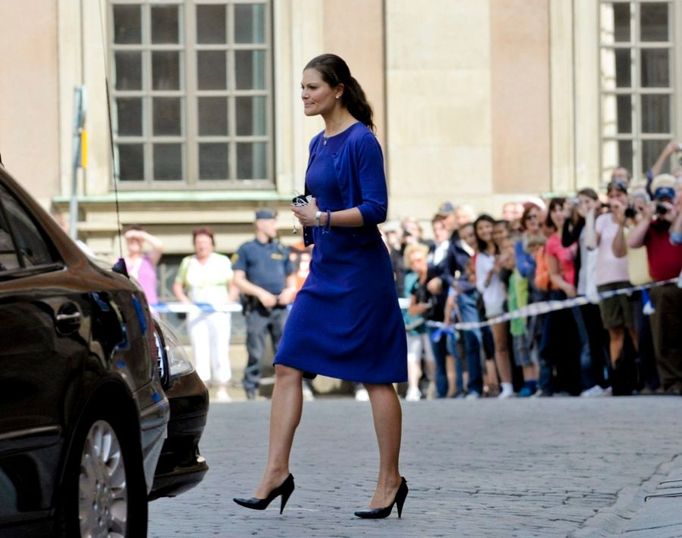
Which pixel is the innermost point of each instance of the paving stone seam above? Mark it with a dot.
(614, 520)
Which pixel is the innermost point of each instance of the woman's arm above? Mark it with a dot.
(619, 246)
(676, 227)
(156, 244)
(556, 278)
(637, 235)
(592, 237)
(179, 284)
(369, 169)
(179, 292)
(485, 270)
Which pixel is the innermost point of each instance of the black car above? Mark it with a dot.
(181, 466)
(83, 413)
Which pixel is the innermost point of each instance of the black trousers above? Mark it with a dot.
(666, 329)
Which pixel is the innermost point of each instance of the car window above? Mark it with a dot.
(8, 254)
(30, 248)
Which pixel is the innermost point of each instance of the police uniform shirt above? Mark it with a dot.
(266, 265)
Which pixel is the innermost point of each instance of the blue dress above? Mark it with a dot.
(345, 321)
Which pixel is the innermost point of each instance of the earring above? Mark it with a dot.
(338, 96)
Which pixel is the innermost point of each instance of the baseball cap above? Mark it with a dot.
(265, 213)
(663, 186)
(446, 208)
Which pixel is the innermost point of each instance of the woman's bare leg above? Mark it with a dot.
(285, 415)
(387, 417)
(502, 352)
(616, 341)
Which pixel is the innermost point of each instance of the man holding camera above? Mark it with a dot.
(665, 262)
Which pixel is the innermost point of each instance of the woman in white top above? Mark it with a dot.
(488, 265)
(205, 278)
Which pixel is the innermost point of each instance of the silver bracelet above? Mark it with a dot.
(318, 215)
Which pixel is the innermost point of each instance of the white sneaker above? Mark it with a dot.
(308, 395)
(221, 395)
(473, 395)
(413, 395)
(361, 395)
(593, 392)
(506, 393)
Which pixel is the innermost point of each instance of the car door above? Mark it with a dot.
(43, 341)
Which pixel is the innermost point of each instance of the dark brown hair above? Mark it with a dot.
(203, 230)
(335, 71)
(589, 192)
(554, 202)
(482, 245)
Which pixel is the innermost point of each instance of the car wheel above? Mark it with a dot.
(104, 488)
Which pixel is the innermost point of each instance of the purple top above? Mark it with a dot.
(144, 272)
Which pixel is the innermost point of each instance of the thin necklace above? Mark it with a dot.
(325, 139)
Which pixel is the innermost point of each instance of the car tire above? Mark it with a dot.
(103, 491)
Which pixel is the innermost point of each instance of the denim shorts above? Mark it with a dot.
(523, 355)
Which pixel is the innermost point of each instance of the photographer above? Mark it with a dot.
(612, 273)
(665, 262)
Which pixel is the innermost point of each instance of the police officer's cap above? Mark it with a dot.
(265, 213)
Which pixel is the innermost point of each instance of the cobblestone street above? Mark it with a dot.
(532, 467)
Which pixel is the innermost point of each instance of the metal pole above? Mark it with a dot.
(78, 133)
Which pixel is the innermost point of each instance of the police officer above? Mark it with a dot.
(265, 276)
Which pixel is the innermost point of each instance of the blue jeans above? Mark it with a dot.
(466, 303)
(586, 373)
(452, 339)
(439, 352)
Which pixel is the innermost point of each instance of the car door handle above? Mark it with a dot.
(76, 316)
(68, 319)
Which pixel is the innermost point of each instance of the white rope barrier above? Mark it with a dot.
(543, 307)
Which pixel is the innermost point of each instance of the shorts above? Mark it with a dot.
(616, 311)
(524, 353)
(418, 344)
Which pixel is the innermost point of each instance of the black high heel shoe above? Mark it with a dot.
(285, 489)
(381, 513)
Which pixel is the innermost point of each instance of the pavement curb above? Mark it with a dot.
(651, 509)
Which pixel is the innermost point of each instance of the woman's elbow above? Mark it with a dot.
(374, 213)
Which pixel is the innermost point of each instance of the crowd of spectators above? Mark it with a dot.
(621, 249)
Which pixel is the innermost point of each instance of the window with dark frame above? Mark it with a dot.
(637, 84)
(191, 93)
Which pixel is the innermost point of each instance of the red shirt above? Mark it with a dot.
(565, 255)
(665, 259)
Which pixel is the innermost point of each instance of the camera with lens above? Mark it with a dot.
(661, 209)
(630, 212)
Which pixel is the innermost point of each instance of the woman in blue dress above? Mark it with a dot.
(345, 321)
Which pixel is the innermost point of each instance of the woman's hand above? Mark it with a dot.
(435, 286)
(306, 213)
(618, 210)
(569, 290)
